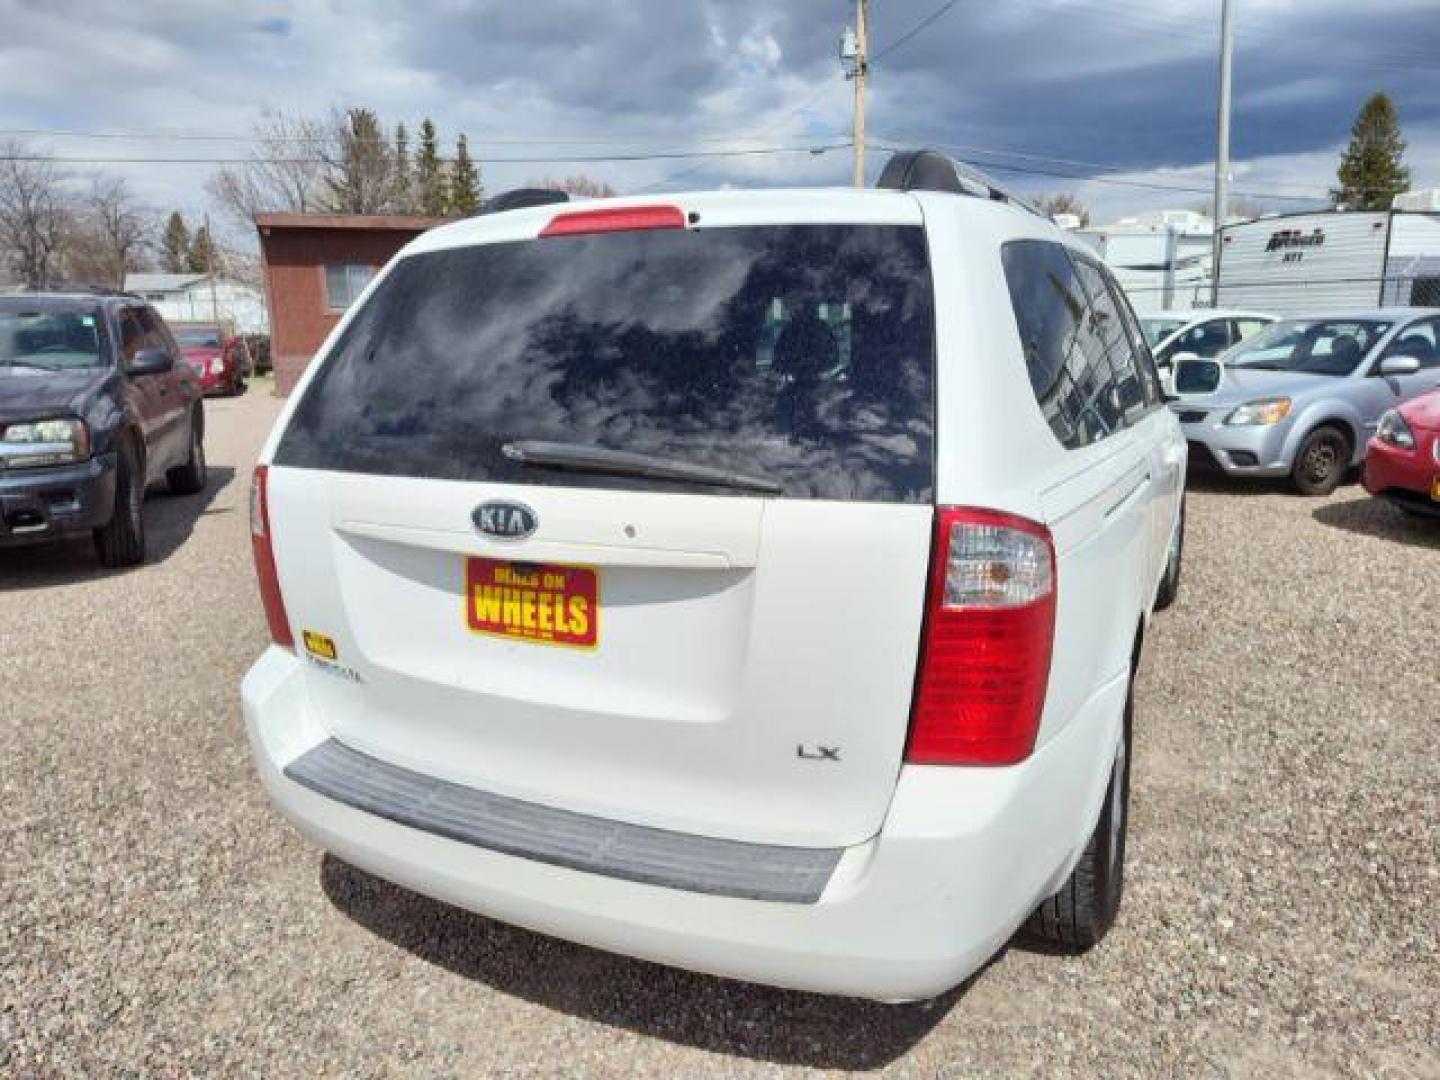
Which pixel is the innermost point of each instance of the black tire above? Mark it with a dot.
(189, 478)
(121, 542)
(1170, 583)
(1079, 915)
(1322, 461)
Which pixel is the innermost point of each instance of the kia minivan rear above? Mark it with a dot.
(616, 592)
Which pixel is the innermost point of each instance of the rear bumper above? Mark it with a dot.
(42, 504)
(963, 857)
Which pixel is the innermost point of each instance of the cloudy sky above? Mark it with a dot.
(1118, 94)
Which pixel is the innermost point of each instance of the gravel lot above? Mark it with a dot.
(160, 919)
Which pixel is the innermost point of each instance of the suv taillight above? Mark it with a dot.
(985, 650)
(265, 560)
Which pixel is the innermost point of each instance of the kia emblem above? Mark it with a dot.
(501, 519)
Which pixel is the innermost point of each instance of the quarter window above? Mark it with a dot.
(344, 282)
(1065, 343)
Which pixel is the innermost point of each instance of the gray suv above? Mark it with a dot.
(1302, 398)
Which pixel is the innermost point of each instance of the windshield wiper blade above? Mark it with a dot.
(599, 459)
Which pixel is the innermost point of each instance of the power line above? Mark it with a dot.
(819, 148)
(1082, 170)
(921, 25)
(173, 135)
(1071, 174)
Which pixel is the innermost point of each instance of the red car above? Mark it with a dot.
(220, 360)
(1402, 462)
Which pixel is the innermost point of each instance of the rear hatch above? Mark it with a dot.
(730, 654)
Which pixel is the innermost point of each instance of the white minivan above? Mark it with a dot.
(747, 581)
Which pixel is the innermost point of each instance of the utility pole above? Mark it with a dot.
(855, 60)
(1222, 148)
(210, 269)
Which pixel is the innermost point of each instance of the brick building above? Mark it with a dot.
(315, 265)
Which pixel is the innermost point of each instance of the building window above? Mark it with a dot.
(344, 282)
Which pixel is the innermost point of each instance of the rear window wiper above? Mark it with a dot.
(598, 459)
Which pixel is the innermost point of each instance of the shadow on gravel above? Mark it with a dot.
(1217, 482)
(779, 1026)
(1377, 518)
(169, 521)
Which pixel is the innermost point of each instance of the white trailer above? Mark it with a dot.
(1331, 260)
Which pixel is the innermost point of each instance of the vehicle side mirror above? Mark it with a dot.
(1181, 357)
(1196, 376)
(1399, 365)
(152, 361)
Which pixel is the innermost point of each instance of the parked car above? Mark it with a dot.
(597, 610)
(1203, 334)
(95, 405)
(1402, 461)
(218, 357)
(1301, 398)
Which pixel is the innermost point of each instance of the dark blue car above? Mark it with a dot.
(96, 404)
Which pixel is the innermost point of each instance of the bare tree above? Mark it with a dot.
(287, 170)
(1064, 203)
(34, 213)
(118, 227)
(577, 184)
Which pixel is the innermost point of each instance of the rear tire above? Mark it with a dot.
(1322, 461)
(121, 542)
(1079, 915)
(189, 478)
(1170, 583)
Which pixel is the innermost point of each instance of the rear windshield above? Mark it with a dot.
(800, 354)
(197, 338)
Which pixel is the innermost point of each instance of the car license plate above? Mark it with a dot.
(543, 604)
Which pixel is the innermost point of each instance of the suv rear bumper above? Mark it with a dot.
(963, 857)
(41, 504)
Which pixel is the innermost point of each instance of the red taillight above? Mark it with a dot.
(265, 560)
(623, 219)
(985, 650)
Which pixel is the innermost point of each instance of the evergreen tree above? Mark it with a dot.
(175, 244)
(464, 182)
(403, 188)
(1372, 171)
(202, 252)
(429, 176)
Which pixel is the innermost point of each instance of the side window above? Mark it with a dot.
(1422, 341)
(1207, 339)
(1248, 328)
(132, 334)
(1140, 354)
(156, 336)
(1127, 390)
(1061, 338)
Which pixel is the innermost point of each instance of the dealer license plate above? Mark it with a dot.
(542, 604)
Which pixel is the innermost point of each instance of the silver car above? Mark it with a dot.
(1302, 398)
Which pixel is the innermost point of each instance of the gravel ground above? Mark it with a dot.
(160, 919)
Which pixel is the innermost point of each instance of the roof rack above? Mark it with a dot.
(930, 170)
(522, 197)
